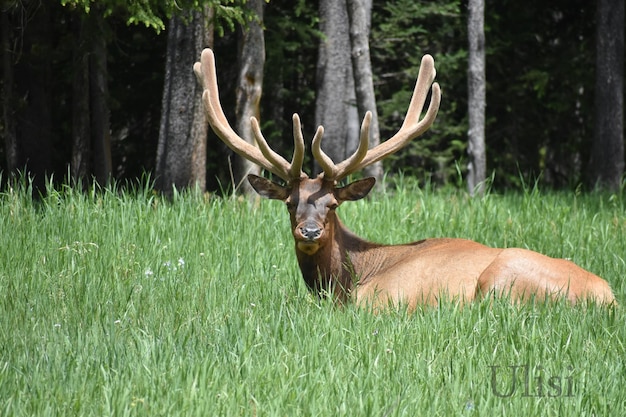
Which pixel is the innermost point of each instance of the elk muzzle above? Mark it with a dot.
(307, 235)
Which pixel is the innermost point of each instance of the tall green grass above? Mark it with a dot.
(122, 303)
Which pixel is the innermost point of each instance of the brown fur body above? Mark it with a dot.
(335, 261)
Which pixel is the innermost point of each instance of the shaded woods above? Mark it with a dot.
(83, 93)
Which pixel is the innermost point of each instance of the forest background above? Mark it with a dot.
(84, 85)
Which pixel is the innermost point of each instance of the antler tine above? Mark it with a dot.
(298, 148)
(206, 74)
(334, 171)
(295, 168)
(327, 164)
(425, 78)
(348, 166)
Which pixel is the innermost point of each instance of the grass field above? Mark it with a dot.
(124, 304)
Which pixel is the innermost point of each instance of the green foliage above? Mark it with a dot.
(117, 302)
(292, 38)
(146, 12)
(540, 90)
(402, 32)
(540, 86)
(152, 13)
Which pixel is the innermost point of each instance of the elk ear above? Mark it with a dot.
(355, 190)
(267, 188)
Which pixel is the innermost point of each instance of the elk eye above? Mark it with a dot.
(333, 206)
(290, 205)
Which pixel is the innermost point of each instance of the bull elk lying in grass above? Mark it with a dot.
(335, 261)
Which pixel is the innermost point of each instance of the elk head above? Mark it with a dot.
(312, 202)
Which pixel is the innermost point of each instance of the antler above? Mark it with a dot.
(411, 128)
(263, 156)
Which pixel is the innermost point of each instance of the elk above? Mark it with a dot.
(337, 263)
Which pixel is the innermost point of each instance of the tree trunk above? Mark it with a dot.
(335, 103)
(249, 90)
(8, 99)
(607, 153)
(181, 151)
(91, 128)
(476, 169)
(33, 79)
(359, 13)
(80, 166)
(98, 96)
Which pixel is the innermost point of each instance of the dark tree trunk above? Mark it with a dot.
(91, 128)
(607, 153)
(249, 89)
(181, 152)
(80, 165)
(476, 169)
(100, 117)
(359, 13)
(8, 99)
(335, 106)
(33, 75)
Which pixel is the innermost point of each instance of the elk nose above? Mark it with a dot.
(310, 231)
